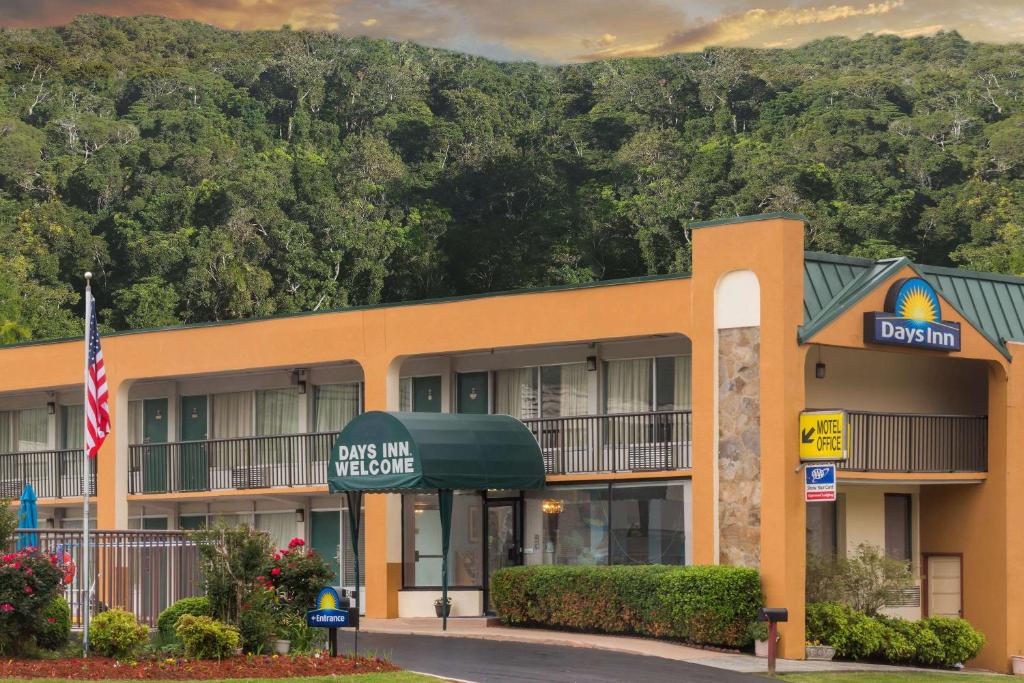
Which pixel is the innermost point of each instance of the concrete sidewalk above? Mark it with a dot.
(482, 628)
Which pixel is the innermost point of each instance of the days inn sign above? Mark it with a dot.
(913, 318)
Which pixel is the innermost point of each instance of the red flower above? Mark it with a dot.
(6, 607)
(276, 571)
(296, 543)
(51, 620)
(277, 556)
(28, 589)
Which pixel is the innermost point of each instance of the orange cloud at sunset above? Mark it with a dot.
(567, 30)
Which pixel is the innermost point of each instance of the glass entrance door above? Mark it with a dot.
(504, 539)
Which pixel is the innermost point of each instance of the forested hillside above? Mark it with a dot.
(206, 174)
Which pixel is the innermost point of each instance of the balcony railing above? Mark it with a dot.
(625, 442)
(53, 474)
(885, 442)
(250, 462)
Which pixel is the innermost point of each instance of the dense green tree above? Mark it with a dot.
(205, 174)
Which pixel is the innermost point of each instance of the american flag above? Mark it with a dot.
(97, 409)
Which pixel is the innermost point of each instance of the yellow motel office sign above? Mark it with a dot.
(823, 436)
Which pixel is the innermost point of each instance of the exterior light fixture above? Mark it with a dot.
(302, 386)
(51, 407)
(300, 515)
(819, 370)
(551, 506)
(591, 363)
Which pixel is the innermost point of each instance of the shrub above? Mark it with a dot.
(56, 629)
(231, 559)
(853, 634)
(958, 640)
(168, 619)
(707, 605)
(866, 581)
(258, 622)
(206, 638)
(298, 574)
(29, 581)
(115, 633)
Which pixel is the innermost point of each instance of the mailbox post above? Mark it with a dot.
(774, 616)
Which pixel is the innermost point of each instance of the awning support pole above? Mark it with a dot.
(444, 498)
(355, 506)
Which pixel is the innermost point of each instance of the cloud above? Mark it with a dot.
(567, 30)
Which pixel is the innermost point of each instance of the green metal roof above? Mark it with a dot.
(391, 451)
(748, 219)
(993, 304)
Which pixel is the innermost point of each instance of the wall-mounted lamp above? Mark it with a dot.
(51, 407)
(299, 379)
(300, 515)
(591, 363)
(302, 386)
(819, 367)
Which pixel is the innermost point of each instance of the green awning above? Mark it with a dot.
(388, 451)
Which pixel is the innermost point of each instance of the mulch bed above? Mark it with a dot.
(250, 666)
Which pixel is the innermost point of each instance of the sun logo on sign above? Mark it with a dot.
(917, 301)
(328, 599)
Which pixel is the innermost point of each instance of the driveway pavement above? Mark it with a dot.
(490, 661)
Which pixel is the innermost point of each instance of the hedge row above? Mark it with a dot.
(711, 605)
(936, 641)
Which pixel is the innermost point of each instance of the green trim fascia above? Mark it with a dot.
(749, 219)
(854, 291)
(824, 257)
(369, 307)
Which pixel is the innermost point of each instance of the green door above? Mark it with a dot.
(195, 461)
(154, 434)
(473, 393)
(325, 538)
(426, 394)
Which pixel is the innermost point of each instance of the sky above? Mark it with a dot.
(568, 30)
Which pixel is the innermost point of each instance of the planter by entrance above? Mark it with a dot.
(821, 653)
(281, 647)
(443, 610)
(1017, 665)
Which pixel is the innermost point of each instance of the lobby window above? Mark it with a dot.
(421, 541)
(639, 385)
(334, 406)
(822, 527)
(548, 391)
(898, 525)
(647, 523)
(572, 523)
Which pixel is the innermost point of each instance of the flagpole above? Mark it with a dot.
(85, 479)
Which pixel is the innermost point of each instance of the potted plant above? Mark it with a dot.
(814, 650)
(1017, 664)
(758, 632)
(443, 608)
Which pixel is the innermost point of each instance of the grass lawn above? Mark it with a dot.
(394, 677)
(890, 677)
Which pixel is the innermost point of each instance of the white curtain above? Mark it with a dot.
(334, 406)
(32, 430)
(6, 432)
(574, 390)
(405, 394)
(277, 411)
(134, 422)
(628, 385)
(74, 427)
(232, 415)
(279, 525)
(516, 393)
(683, 393)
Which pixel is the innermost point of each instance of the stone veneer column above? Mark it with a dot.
(739, 446)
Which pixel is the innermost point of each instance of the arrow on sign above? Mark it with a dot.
(805, 435)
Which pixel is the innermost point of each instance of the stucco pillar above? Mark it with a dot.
(383, 511)
(112, 462)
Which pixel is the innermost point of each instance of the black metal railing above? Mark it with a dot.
(53, 474)
(887, 442)
(250, 462)
(142, 572)
(625, 442)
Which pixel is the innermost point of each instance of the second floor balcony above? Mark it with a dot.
(52, 473)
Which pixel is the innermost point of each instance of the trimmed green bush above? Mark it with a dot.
(206, 638)
(115, 633)
(168, 619)
(55, 630)
(937, 641)
(704, 605)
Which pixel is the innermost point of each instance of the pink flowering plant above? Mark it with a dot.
(298, 573)
(29, 583)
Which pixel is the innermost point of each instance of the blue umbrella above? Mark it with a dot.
(29, 518)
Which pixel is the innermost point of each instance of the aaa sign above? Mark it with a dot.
(823, 436)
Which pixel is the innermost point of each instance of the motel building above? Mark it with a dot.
(667, 410)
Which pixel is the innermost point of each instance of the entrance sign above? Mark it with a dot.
(823, 436)
(820, 483)
(328, 612)
(912, 317)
